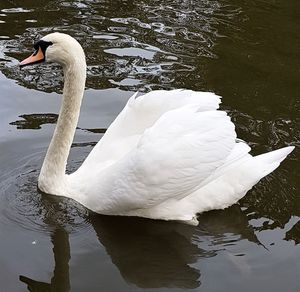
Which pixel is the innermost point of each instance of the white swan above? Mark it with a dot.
(168, 155)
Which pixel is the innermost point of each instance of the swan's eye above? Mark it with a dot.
(43, 45)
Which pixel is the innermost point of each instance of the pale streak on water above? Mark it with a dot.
(246, 51)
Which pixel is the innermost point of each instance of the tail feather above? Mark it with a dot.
(272, 160)
(277, 155)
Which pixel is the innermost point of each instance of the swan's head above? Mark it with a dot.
(55, 47)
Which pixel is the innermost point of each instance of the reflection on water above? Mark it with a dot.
(246, 51)
(151, 254)
(294, 233)
(60, 281)
(158, 48)
(147, 253)
(34, 121)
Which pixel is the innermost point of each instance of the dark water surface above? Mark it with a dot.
(246, 51)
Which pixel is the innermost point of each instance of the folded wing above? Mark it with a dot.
(170, 161)
(139, 114)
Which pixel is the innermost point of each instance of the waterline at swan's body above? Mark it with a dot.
(168, 155)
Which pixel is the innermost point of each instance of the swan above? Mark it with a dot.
(168, 155)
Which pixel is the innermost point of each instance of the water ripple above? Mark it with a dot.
(22, 203)
(182, 35)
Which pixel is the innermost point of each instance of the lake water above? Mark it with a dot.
(245, 51)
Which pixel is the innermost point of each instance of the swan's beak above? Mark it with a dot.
(36, 57)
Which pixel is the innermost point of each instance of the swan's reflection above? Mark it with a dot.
(148, 254)
(60, 281)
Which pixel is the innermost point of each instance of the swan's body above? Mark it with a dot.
(168, 155)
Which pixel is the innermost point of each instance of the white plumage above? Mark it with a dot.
(168, 155)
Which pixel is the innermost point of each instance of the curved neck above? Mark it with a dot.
(54, 167)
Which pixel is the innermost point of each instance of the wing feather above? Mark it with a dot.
(172, 158)
(139, 114)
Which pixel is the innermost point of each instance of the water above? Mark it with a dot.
(246, 51)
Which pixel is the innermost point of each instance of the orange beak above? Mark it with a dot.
(35, 58)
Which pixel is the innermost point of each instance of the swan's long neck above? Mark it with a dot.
(52, 175)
